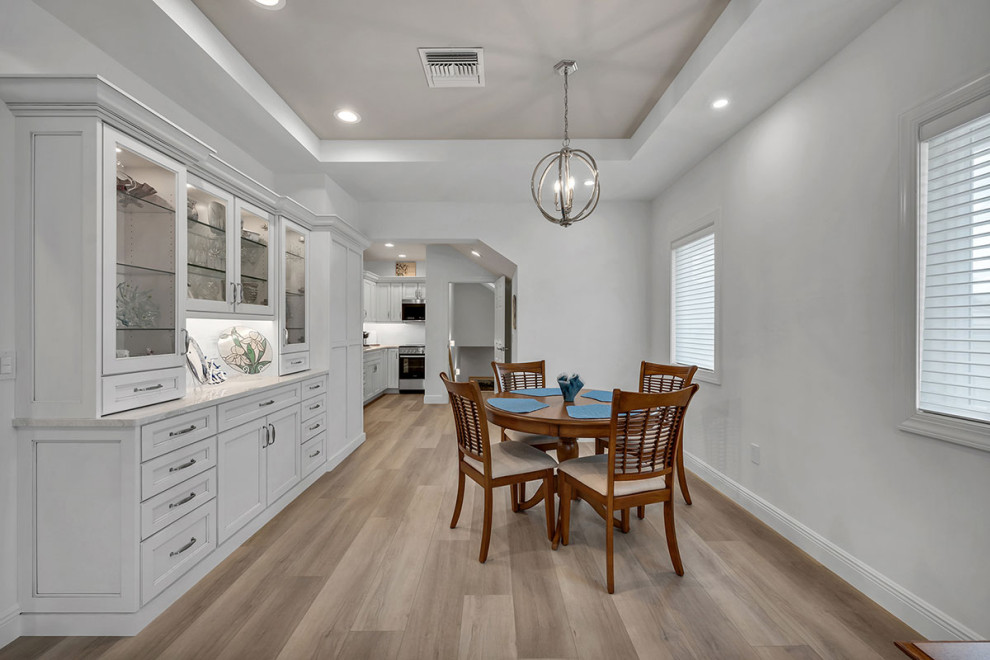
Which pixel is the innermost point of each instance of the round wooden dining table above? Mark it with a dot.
(552, 421)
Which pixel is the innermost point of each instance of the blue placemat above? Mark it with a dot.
(590, 411)
(517, 405)
(539, 391)
(599, 395)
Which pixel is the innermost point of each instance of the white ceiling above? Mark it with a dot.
(754, 53)
(321, 55)
(379, 252)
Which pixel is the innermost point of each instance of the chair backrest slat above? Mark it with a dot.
(645, 432)
(664, 377)
(519, 375)
(470, 423)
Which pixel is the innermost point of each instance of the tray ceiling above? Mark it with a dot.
(320, 56)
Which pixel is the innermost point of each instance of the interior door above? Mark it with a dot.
(240, 476)
(283, 452)
(500, 319)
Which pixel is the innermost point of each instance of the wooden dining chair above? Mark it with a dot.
(491, 466)
(644, 435)
(517, 376)
(658, 378)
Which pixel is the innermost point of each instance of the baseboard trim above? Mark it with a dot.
(921, 615)
(346, 451)
(435, 398)
(10, 625)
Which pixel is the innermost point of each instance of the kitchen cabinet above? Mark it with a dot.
(383, 299)
(230, 253)
(294, 316)
(368, 300)
(383, 304)
(374, 374)
(392, 368)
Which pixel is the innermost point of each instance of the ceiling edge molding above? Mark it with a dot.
(221, 172)
(437, 151)
(89, 95)
(342, 232)
(204, 34)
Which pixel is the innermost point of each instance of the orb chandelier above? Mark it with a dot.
(564, 163)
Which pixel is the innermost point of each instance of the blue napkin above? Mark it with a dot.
(539, 391)
(517, 405)
(590, 411)
(599, 395)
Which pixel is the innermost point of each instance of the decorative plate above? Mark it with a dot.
(244, 349)
(196, 359)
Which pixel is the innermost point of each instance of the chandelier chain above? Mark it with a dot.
(567, 140)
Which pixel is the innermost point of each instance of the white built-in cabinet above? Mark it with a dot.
(392, 368)
(294, 297)
(382, 300)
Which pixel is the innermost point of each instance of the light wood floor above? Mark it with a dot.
(364, 565)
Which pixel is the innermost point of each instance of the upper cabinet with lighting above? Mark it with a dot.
(231, 254)
(294, 273)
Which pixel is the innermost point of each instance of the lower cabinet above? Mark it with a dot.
(392, 368)
(258, 463)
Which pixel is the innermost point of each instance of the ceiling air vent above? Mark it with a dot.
(453, 67)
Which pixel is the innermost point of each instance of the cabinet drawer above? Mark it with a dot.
(165, 508)
(170, 434)
(256, 406)
(314, 453)
(314, 386)
(166, 556)
(314, 426)
(160, 474)
(293, 363)
(313, 407)
(128, 391)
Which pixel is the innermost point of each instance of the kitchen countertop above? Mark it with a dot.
(377, 347)
(200, 396)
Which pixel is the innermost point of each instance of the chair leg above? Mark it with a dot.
(460, 498)
(625, 521)
(486, 534)
(609, 560)
(565, 510)
(681, 477)
(641, 511)
(548, 502)
(600, 445)
(514, 496)
(668, 526)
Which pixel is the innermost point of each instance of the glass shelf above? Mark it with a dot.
(200, 223)
(254, 242)
(129, 203)
(145, 269)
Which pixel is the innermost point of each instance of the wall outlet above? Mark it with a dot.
(754, 453)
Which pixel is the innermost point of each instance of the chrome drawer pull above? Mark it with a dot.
(192, 427)
(191, 543)
(315, 387)
(314, 427)
(149, 388)
(192, 462)
(182, 501)
(296, 362)
(315, 454)
(315, 406)
(266, 403)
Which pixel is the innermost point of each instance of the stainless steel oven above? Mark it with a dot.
(412, 368)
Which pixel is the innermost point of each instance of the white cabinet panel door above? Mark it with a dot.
(283, 452)
(241, 475)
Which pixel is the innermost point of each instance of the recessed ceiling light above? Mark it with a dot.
(119, 150)
(270, 4)
(402, 256)
(718, 104)
(475, 253)
(390, 245)
(347, 116)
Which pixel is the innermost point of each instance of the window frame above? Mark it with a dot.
(957, 430)
(709, 224)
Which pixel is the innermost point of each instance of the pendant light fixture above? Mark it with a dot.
(558, 167)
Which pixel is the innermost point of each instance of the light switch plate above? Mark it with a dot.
(8, 365)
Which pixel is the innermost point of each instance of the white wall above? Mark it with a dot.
(472, 315)
(8, 449)
(808, 198)
(387, 268)
(582, 291)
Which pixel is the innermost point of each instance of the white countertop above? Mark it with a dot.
(378, 347)
(200, 396)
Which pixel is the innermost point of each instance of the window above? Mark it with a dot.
(946, 196)
(693, 305)
(954, 214)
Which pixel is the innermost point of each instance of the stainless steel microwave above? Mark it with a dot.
(413, 310)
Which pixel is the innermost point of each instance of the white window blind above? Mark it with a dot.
(693, 302)
(954, 374)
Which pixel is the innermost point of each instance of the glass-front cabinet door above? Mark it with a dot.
(255, 260)
(144, 257)
(295, 285)
(209, 215)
